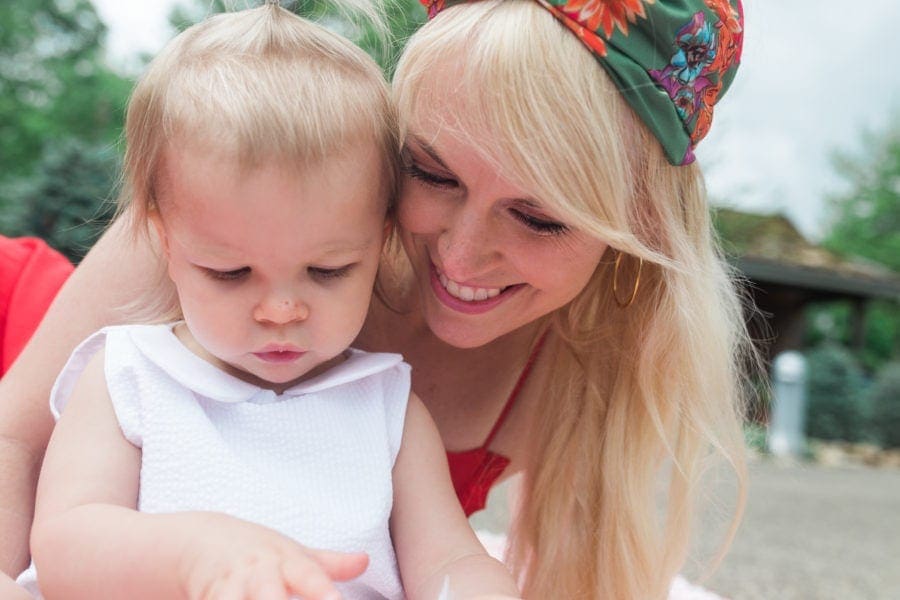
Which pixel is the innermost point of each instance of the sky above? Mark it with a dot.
(815, 74)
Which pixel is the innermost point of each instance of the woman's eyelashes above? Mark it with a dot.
(427, 177)
(539, 225)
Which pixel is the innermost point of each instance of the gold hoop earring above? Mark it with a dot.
(637, 282)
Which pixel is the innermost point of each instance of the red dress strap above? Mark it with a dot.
(475, 471)
(520, 383)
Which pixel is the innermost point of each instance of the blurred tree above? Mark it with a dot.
(865, 225)
(402, 19)
(836, 407)
(54, 82)
(885, 402)
(865, 221)
(61, 112)
(62, 107)
(832, 322)
(68, 200)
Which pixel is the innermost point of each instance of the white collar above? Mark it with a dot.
(160, 345)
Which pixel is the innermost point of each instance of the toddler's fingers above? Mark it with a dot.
(341, 566)
(268, 584)
(227, 589)
(306, 578)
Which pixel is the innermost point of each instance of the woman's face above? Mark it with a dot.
(488, 255)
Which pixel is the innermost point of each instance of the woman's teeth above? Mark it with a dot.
(464, 292)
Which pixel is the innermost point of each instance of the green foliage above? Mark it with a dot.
(61, 111)
(866, 220)
(884, 397)
(865, 224)
(53, 81)
(403, 18)
(62, 107)
(836, 407)
(66, 201)
(756, 437)
(832, 322)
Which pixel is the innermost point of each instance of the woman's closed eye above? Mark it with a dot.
(427, 177)
(540, 225)
(232, 275)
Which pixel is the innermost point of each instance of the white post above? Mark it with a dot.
(786, 424)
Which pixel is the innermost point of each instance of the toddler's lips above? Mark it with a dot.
(278, 356)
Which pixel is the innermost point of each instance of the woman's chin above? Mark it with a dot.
(460, 335)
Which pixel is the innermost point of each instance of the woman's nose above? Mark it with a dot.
(281, 309)
(467, 245)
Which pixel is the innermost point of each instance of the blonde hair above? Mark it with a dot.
(630, 390)
(258, 86)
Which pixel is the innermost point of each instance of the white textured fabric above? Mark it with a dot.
(313, 463)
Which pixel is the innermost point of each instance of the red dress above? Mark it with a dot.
(475, 471)
(31, 273)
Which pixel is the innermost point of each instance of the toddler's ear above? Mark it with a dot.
(160, 228)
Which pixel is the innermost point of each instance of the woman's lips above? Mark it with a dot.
(488, 297)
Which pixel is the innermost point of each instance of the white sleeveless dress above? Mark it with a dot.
(313, 463)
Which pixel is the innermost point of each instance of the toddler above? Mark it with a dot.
(193, 457)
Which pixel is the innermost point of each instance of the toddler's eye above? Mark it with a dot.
(233, 275)
(327, 273)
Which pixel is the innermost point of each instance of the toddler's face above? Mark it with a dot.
(274, 269)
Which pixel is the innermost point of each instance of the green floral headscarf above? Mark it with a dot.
(671, 59)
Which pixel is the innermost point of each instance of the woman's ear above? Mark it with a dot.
(388, 229)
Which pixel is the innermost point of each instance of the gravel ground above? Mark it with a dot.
(809, 533)
(817, 533)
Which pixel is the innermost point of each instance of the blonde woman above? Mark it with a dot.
(558, 292)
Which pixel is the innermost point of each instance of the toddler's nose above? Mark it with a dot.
(281, 311)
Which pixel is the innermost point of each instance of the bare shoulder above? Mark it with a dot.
(419, 428)
(91, 386)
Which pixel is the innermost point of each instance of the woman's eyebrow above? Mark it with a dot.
(427, 149)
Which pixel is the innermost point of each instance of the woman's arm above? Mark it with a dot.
(90, 542)
(113, 273)
(432, 538)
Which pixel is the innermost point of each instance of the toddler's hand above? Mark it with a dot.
(231, 559)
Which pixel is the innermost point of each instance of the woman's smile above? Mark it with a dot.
(468, 299)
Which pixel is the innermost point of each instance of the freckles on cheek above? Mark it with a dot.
(563, 270)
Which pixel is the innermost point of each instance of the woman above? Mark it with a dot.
(558, 293)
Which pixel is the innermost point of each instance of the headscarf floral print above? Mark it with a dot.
(672, 60)
(594, 20)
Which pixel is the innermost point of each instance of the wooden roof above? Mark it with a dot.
(769, 249)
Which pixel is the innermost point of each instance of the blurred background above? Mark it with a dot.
(803, 169)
